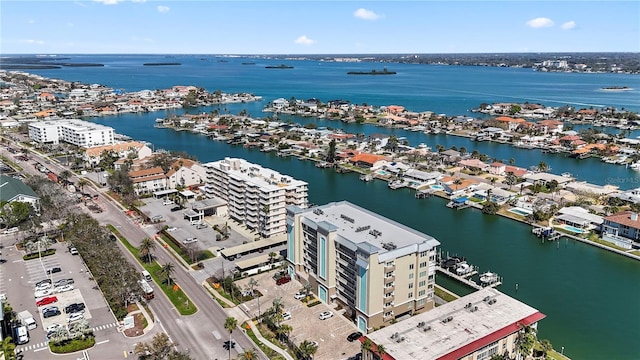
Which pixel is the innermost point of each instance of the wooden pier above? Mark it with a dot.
(464, 279)
(546, 233)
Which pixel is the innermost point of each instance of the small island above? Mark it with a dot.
(616, 88)
(82, 64)
(281, 66)
(372, 72)
(248, 63)
(161, 63)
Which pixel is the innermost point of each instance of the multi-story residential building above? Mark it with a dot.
(77, 132)
(148, 180)
(185, 172)
(134, 149)
(622, 229)
(376, 268)
(477, 326)
(256, 196)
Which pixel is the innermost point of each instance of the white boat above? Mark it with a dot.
(488, 278)
(366, 177)
(463, 268)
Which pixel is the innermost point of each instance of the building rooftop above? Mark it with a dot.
(10, 188)
(369, 231)
(255, 174)
(76, 124)
(456, 329)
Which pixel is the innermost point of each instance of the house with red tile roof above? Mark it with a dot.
(517, 171)
(473, 164)
(549, 126)
(497, 168)
(185, 172)
(512, 124)
(366, 160)
(134, 149)
(622, 229)
(455, 186)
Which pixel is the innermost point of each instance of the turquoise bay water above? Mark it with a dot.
(590, 296)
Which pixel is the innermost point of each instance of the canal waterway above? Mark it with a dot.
(589, 295)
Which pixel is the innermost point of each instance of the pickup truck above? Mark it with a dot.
(27, 319)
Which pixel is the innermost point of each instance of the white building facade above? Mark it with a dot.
(77, 132)
(256, 196)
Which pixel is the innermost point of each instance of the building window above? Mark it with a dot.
(388, 313)
(420, 302)
(431, 277)
(423, 253)
(421, 293)
(389, 263)
(388, 304)
(423, 273)
(410, 266)
(410, 285)
(411, 276)
(410, 295)
(422, 283)
(423, 264)
(389, 274)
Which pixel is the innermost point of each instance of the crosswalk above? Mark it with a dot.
(105, 326)
(34, 346)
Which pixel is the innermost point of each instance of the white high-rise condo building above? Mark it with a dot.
(77, 132)
(256, 196)
(376, 268)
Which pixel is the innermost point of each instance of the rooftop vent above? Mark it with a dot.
(421, 324)
(363, 228)
(375, 233)
(389, 246)
(394, 335)
(447, 319)
(318, 212)
(473, 309)
(399, 339)
(492, 301)
(486, 298)
(426, 328)
(345, 217)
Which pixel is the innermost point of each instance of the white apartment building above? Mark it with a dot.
(256, 196)
(376, 268)
(77, 132)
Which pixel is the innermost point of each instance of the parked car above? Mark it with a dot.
(45, 281)
(63, 282)
(286, 316)
(168, 202)
(50, 312)
(176, 208)
(73, 251)
(354, 336)
(299, 295)
(172, 229)
(43, 286)
(75, 317)
(201, 226)
(283, 280)
(53, 270)
(53, 327)
(42, 293)
(64, 288)
(325, 315)
(190, 240)
(46, 301)
(73, 308)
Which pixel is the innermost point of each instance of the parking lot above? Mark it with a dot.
(18, 279)
(331, 334)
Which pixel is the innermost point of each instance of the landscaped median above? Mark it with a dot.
(178, 298)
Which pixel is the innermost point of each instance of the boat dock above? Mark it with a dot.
(423, 194)
(546, 233)
(463, 280)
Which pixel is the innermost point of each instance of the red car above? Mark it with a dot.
(46, 301)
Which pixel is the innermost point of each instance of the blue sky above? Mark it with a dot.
(317, 27)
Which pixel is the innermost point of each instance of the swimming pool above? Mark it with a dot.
(574, 229)
(520, 211)
(382, 172)
(437, 187)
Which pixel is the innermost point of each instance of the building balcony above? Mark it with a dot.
(390, 278)
(389, 289)
(389, 268)
(388, 317)
(389, 298)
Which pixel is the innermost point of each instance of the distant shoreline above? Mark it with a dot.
(616, 88)
(162, 64)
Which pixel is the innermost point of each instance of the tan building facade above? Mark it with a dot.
(376, 268)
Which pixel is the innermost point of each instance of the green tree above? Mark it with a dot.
(167, 270)
(331, 152)
(308, 348)
(366, 347)
(82, 183)
(542, 166)
(64, 176)
(230, 324)
(490, 208)
(9, 348)
(146, 247)
(306, 288)
(381, 351)
(249, 354)
(15, 212)
(284, 330)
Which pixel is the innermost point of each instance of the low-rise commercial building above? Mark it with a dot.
(376, 268)
(477, 326)
(256, 196)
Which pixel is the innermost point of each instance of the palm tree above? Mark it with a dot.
(512, 161)
(168, 269)
(249, 354)
(64, 176)
(366, 347)
(308, 348)
(381, 351)
(82, 183)
(307, 288)
(146, 247)
(272, 257)
(542, 166)
(284, 330)
(230, 324)
(252, 284)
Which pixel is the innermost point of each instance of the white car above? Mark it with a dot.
(325, 315)
(168, 202)
(299, 296)
(42, 293)
(75, 317)
(172, 229)
(53, 327)
(64, 288)
(43, 286)
(190, 240)
(286, 316)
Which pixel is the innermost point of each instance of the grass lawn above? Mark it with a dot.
(444, 295)
(178, 298)
(204, 254)
(267, 350)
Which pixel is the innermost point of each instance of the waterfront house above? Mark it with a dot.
(450, 156)
(512, 124)
(455, 186)
(622, 229)
(422, 177)
(497, 168)
(583, 187)
(474, 165)
(517, 171)
(366, 160)
(544, 178)
(14, 190)
(549, 126)
(579, 217)
(632, 195)
(128, 149)
(492, 193)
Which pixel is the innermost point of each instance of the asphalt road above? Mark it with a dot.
(203, 333)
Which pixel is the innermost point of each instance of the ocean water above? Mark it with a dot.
(589, 295)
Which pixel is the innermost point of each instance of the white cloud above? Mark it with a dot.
(31, 41)
(569, 25)
(109, 2)
(540, 22)
(304, 40)
(31, 21)
(163, 9)
(365, 14)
